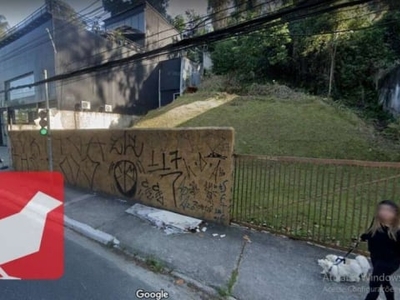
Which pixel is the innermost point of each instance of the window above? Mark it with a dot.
(23, 92)
(136, 22)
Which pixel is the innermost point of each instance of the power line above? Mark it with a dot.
(204, 19)
(73, 80)
(43, 7)
(252, 25)
(340, 20)
(158, 41)
(43, 39)
(77, 16)
(228, 17)
(167, 30)
(189, 42)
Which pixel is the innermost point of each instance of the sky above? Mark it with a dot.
(17, 10)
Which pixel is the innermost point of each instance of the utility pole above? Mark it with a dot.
(55, 62)
(159, 88)
(49, 141)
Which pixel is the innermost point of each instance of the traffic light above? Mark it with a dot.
(44, 122)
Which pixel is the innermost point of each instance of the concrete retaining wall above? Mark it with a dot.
(188, 171)
(63, 119)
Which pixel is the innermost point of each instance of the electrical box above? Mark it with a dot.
(108, 108)
(85, 105)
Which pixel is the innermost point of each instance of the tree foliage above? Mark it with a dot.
(253, 56)
(341, 52)
(219, 11)
(180, 23)
(190, 25)
(62, 10)
(244, 7)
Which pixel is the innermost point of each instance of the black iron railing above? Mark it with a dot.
(325, 201)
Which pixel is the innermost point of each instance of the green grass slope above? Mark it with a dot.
(306, 127)
(323, 203)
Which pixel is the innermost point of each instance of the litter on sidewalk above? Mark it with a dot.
(246, 238)
(168, 221)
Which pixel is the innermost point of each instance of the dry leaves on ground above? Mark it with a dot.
(179, 281)
(246, 238)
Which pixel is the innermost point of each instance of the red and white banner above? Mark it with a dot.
(31, 225)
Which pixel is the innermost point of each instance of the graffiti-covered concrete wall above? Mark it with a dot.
(188, 171)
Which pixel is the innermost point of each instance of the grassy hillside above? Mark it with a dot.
(294, 125)
(302, 200)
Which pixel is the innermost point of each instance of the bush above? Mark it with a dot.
(392, 130)
(278, 91)
(223, 83)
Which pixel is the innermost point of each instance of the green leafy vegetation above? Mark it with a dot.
(273, 119)
(339, 55)
(305, 127)
(155, 265)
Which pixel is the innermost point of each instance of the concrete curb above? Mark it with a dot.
(206, 289)
(90, 232)
(111, 241)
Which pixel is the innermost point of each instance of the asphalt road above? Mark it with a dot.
(94, 272)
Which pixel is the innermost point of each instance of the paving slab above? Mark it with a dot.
(170, 222)
(202, 256)
(273, 267)
(269, 267)
(96, 211)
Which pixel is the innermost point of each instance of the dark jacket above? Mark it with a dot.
(382, 247)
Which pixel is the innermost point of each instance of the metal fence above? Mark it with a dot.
(325, 201)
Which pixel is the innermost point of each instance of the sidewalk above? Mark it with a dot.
(267, 268)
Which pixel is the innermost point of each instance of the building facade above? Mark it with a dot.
(58, 43)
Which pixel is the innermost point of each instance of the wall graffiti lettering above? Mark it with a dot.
(125, 177)
(28, 154)
(163, 164)
(126, 142)
(216, 155)
(186, 171)
(152, 192)
(80, 160)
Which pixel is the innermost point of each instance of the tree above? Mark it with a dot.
(254, 56)
(343, 53)
(62, 10)
(245, 7)
(179, 23)
(195, 23)
(219, 10)
(192, 24)
(315, 45)
(117, 6)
